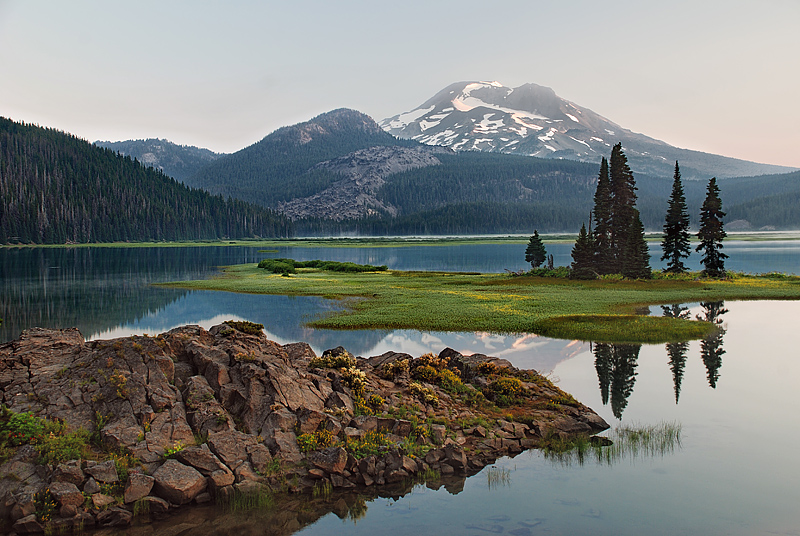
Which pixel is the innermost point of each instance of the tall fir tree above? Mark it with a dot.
(604, 257)
(623, 201)
(535, 253)
(583, 256)
(631, 255)
(712, 232)
(634, 257)
(675, 244)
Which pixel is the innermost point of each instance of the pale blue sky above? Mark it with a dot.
(716, 76)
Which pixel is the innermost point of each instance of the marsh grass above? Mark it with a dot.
(497, 477)
(629, 442)
(244, 501)
(601, 311)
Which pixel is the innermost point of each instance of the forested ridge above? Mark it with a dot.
(57, 188)
(280, 167)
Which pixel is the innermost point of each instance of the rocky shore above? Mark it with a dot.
(97, 433)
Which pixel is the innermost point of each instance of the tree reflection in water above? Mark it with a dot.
(616, 372)
(616, 363)
(711, 347)
(676, 350)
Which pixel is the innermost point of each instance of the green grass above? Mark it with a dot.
(629, 442)
(600, 310)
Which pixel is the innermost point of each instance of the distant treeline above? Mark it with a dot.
(57, 188)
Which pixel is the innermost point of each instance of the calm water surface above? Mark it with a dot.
(734, 396)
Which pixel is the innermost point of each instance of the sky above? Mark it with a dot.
(716, 76)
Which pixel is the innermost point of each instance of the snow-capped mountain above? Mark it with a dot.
(532, 120)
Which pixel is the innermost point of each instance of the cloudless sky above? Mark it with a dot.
(715, 76)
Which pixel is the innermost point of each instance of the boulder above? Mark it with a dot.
(91, 487)
(309, 420)
(66, 493)
(101, 500)
(154, 505)
(331, 460)
(230, 446)
(105, 472)
(139, 485)
(28, 525)
(69, 472)
(284, 445)
(201, 458)
(114, 517)
(178, 483)
(259, 457)
(220, 479)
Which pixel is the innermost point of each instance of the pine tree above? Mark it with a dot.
(675, 243)
(623, 202)
(711, 232)
(535, 253)
(634, 258)
(583, 257)
(604, 258)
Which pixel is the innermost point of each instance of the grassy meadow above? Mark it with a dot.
(600, 310)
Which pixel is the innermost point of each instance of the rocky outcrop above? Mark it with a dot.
(363, 172)
(209, 414)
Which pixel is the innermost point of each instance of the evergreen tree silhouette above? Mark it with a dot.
(712, 232)
(604, 257)
(711, 349)
(583, 256)
(535, 253)
(675, 244)
(676, 350)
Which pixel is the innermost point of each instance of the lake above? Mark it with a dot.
(734, 397)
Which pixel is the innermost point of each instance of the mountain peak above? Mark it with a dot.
(533, 120)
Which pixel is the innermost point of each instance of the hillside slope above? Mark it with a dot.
(177, 161)
(57, 188)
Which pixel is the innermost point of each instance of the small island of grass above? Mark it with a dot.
(598, 310)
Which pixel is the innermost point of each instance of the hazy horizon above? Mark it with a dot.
(716, 77)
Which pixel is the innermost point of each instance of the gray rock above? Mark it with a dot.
(105, 472)
(230, 446)
(28, 525)
(139, 485)
(259, 457)
(114, 517)
(69, 472)
(91, 487)
(101, 500)
(201, 458)
(68, 510)
(331, 460)
(66, 493)
(221, 479)
(154, 505)
(178, 483)
(284, 445)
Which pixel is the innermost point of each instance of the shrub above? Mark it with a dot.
(423, 393)
(450, 381)
(395, 368)
(375, 401)
(425, 373)
(355, 379)
(251, 328)
(487, 368)
(321, 439)
(277, 266)
(507, 386)
(337, 360)
(19, 428)
(373, 443)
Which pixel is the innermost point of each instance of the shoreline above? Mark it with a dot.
(227, 416)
